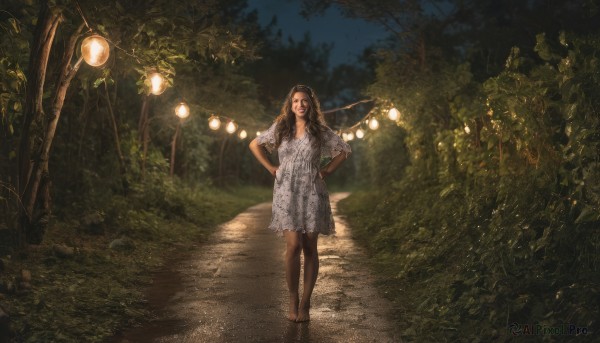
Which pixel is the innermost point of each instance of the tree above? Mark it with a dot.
(163, 34)
(33, 181)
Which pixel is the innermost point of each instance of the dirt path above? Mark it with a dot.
(233, 290)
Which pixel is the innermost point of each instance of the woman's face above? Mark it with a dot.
(300, 104)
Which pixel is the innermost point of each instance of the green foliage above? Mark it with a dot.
(494, 219)
(194, 38)
(103, 286)
(13, 57)
(387, 141)
(198, 46)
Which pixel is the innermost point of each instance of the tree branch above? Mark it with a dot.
(347, 106)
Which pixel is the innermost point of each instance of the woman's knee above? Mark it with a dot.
(293, 242)
(309, 244)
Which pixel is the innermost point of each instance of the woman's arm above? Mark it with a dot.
(332, 166)
(260, 155)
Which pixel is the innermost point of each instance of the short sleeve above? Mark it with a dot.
(332, 145)
(267, 138)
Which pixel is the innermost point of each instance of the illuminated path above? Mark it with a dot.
(233, 290)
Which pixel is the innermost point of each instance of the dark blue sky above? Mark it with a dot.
(349, 36)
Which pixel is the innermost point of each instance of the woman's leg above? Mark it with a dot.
(311, 270)
(292, 269)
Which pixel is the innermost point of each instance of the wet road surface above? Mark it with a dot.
(233, 290)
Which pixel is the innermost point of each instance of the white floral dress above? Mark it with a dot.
(300, 198)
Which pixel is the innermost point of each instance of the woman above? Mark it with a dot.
(301, 209)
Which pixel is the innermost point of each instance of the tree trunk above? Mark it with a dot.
(83, 118)
(47, 23)
(122, 166)
(174, 147)
(33, 222)
(221, 153)
(143, 131)
(4, 326)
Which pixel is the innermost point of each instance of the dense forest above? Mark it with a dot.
(479, 202)
(486, 213)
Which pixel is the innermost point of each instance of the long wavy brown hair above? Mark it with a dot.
(286, 121)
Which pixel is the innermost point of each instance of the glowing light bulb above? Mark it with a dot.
(182, 110)
(350, 136)
(231, 127)
(95, 50)
(345, 136)
(360, 133)
(393, 114)
(243, 134)
(467, 129)
(214, 123)
(257, 133)
(373, 124)
(158, 84)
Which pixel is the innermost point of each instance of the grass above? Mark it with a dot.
(450, 265)
(89, 296)
(413, 266)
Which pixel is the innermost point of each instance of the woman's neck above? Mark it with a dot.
(299, 128)
(300, 122)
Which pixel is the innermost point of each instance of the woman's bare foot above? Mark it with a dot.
(303, 314)
(293, 315)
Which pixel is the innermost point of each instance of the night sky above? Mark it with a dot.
(349, 36)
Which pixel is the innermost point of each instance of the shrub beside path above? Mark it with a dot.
(232, 289)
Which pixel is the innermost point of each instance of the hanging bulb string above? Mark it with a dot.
(358, 123)
(347, 106)
(141, 61)
(138, 59)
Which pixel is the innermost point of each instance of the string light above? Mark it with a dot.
(214, 123)
(231, 127)
(95, 50)
(182, 110)
(373, 124)
(355, 131)
(467, 129)
(158, 83)
(393, 114)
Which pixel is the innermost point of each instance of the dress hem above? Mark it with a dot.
(279, 232)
